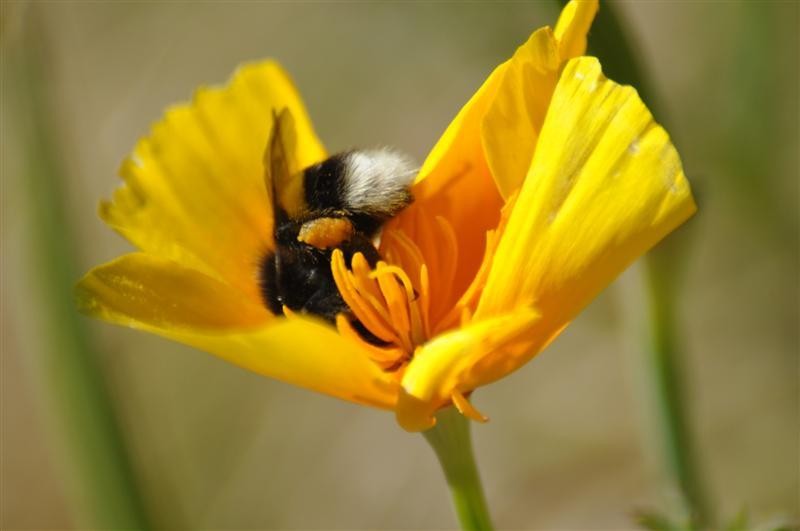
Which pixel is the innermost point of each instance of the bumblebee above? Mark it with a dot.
(341, 202)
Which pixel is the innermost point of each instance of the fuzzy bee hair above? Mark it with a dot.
(376, 182)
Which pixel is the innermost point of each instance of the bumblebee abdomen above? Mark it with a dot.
(323, 185)
(299, 276)
(368, 187)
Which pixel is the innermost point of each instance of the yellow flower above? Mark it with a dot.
(549, 182)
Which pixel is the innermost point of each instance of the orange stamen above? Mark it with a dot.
(416, 328)
(385, 301)
(449, 264)
(425, 299)
(470, 297)
(410, 255)
(405, 301)
(466, 408)
(398, 310)
(361, 271)
(365, 312)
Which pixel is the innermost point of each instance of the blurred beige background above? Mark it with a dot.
(567, 447)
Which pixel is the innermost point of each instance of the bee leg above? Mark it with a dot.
(326, 304)
(268, 281)
(366, 335)
(360, 244)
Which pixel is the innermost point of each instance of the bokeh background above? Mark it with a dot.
(570, 444)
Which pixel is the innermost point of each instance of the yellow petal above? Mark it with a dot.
(167, 299)
(302, 352)
(604, 186)
(194, 188)
(140, 288)
(514, 119)
(512, 123)
(451, 364)
(573, 26)
(462, 137)
(488, 147)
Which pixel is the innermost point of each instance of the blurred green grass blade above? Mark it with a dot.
(652, 521)
(98, 474)
(740, 523)
(611, 41)
(760, 114)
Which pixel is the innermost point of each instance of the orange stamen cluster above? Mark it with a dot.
(397, 301)
(384, 301)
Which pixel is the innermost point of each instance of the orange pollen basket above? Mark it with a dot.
(407, 299)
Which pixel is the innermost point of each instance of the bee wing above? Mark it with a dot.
(282, 177)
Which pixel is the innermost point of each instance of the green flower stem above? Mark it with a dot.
(665, 378)
(89, 447)
(611, 41)
(451, 441)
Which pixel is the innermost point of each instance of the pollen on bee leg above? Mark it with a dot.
(466, 408)
(324, 233)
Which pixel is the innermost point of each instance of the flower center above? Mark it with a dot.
(386, 304)
(407, 299)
